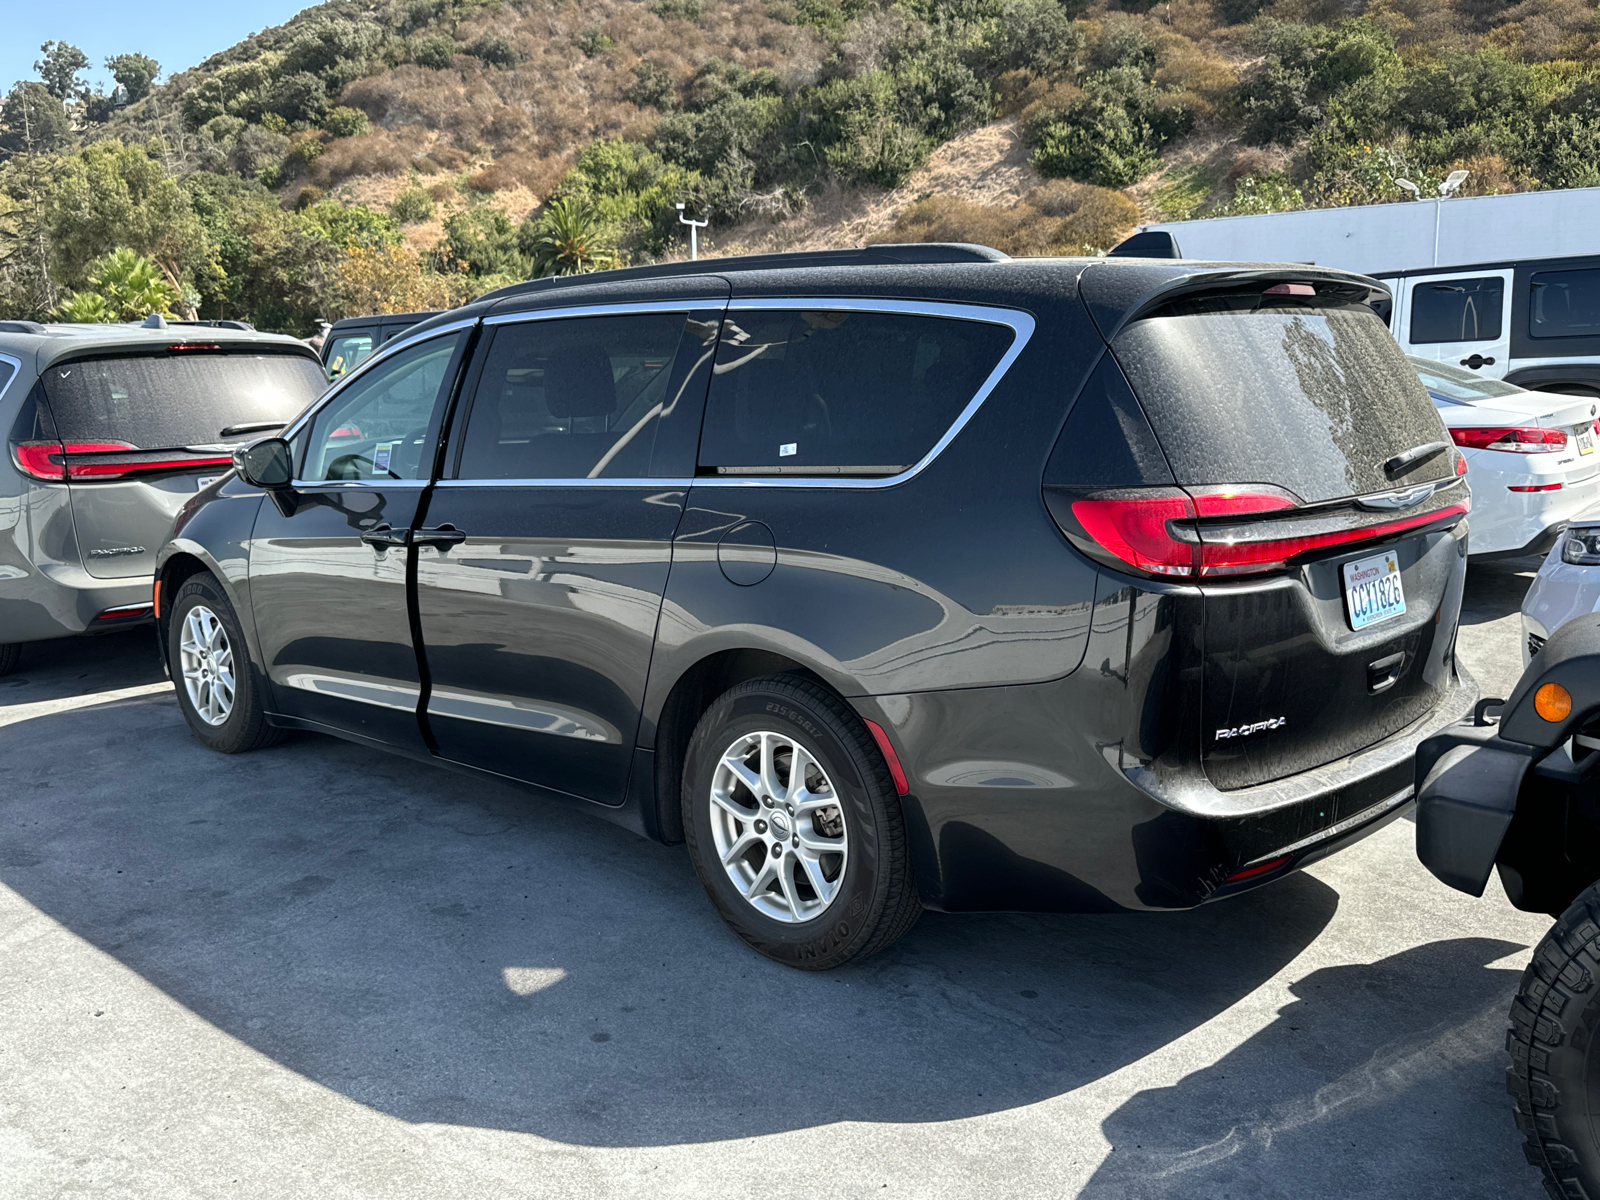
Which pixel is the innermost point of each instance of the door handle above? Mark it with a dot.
(443, 537)
(1477, 360)
(382, 537)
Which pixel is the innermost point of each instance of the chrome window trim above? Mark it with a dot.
(16, 372)
(361, 369)
(365, 365)
(1020, 323)
(605, 310)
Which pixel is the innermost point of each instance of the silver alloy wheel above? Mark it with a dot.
(778, 827)
(207, 659)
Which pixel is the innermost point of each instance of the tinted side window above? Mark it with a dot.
(1564, 304)
(6, 372)
(1457, 310)
(837, 393)
(582, 398)
(377, 427)
(347, 350)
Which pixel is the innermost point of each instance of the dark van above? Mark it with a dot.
(886, 579)
(350, 340)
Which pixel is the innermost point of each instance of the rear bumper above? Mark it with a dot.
(1009, 811)
(66, 601)
(1507, 524)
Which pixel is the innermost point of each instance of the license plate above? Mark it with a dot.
(1372, 590)
(1586, 440)
(205, 481)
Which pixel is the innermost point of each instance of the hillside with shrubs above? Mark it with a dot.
(403, 154)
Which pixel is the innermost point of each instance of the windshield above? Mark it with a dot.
(162, 401)
(1457, 384)
(1308, 397)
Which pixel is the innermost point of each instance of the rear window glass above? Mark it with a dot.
(1306, 398)
(155, 402)
(347, 350)
(1461, 385)
(840, 393)
(6, 372)
(1564, 304)
(1457, 310)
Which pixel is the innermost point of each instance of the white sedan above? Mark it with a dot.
(1567, 585)
(1530, 456)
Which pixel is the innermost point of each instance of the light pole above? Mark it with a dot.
(694, 232)
(1452, 182)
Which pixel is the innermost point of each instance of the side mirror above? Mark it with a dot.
(265, 463)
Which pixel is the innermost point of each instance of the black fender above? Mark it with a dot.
(1471, 780)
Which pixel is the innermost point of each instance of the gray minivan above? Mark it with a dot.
(110, 428)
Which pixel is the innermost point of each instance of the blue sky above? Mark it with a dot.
(176, 33)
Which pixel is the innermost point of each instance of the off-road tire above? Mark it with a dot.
(246, 727)
(1554, 1075)
(10, 656)
(878, 901)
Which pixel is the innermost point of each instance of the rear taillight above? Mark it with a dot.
(55, 462)
(1526, 440)
(1535, 487)
(1172, 533)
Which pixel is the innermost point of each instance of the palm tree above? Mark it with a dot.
(569, 239)
(123, 286)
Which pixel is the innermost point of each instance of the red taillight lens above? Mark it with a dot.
(1461, 463)
(40, 460)
(180, 347)
(1536, 487)
(1169, 532)
(1272, 864)
(1517, 441)
(54, 462)
(1138, 529)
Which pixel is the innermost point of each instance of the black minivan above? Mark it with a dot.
(887, 579)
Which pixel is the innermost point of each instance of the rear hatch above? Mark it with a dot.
(1314, 509)
(134, 435)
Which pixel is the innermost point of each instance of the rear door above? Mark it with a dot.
(542, 564)
(1299, 426)
(328, 557)
(1462, 320)
(139, 435)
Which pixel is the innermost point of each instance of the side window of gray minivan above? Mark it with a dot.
(840, 393)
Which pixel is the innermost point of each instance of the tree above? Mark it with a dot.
(59, 69)
(568, 239)
(36, 122)
(123, 286)
(136, 72)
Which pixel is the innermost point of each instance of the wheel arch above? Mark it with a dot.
(181, 561)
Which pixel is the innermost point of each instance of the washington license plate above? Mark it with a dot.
(1372, 590)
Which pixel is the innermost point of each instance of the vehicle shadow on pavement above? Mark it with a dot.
(449, 950)
(1363, 1086)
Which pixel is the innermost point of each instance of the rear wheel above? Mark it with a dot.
(1554, 1075)
(794, 826)
(218, 687)
(10, 656)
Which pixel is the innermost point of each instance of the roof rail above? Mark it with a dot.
(883, 254)
(21, 327)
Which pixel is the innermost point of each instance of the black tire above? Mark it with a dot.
(10, 656)
(1554, 1075)
(245, 727)
(876, 901)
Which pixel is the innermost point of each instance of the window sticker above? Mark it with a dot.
(381, 454)
(788, 448)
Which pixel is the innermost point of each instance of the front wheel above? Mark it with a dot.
(1554, 1075)
(219, 691)
(794, 826)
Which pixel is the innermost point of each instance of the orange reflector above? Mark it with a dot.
(155, 599)
(1552, 702)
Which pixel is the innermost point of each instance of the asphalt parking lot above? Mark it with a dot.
(318, 971)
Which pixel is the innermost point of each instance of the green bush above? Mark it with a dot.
(1112, 134)
(633, 191)
(435, 51)
(594, 41)
(682, 10)
(495, 51)
(346, 122)
(413, 204)
(1035, 36)
(350, 225)
(481, 241)
(300, 98)
(1266, 192)
(652, 86)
